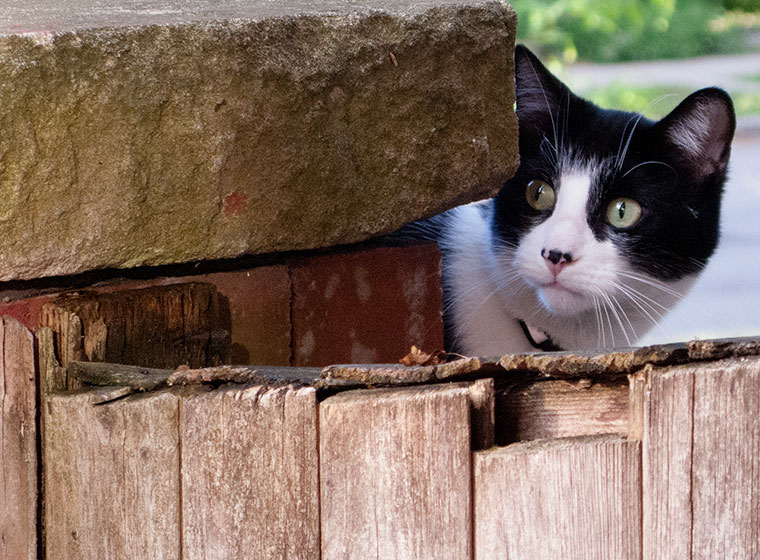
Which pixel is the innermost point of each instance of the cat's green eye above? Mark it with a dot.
(540, 195)
(623, 212)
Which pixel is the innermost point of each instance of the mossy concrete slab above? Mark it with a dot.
(146, 133)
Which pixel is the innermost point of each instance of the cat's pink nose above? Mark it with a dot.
(556, 260)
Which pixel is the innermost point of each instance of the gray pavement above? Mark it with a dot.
(726, 300)
(728, 72)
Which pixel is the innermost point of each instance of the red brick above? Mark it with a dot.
(366, 306)
(259, 303)
(26, 311)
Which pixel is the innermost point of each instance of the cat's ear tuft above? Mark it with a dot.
(701, 128)
(538, 91)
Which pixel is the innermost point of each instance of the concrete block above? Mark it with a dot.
(146, 133)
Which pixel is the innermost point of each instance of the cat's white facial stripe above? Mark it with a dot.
(567, 228)
(594, 263)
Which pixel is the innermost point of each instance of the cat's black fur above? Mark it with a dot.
(674, 168)
(681, 192)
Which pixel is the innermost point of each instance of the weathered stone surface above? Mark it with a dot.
(292, 125)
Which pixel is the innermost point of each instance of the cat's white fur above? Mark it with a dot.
(595, 301)
(693, 132)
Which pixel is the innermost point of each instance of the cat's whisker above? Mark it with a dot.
(617, 317)
(627, 320)
(604, 306)
(634, 299)
(653, 162)
(655, 101)
(621, 158)
(666, 289)
(600, 336)
(643, 304)
(651, 302)
(700, 264)
(640, 300)
(652, 283)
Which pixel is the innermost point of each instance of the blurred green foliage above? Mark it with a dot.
(657, 101)
(745, 5)
(619, 30)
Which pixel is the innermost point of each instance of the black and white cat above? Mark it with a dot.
(605, 225)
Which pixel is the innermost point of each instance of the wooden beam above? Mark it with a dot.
(563, 498)
(18, 443)
(395, 473)
(112, 477)
(701, 460)
(158, 327)
(250, 481)
(562, 408)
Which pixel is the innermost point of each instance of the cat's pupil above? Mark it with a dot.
(621, 209)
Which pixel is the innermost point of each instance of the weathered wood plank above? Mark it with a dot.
(482, 400)
(562, 408)
(18, 445)
(105, 375)
(702, 461)
(250, 481)
(564, 498)
(395, 474)
(666, 463)
(158, 327)
(726, 464)
(112, 477)
(53, 377)
(63, 338)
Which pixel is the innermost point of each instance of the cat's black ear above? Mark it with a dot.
(539, 93)
(701, 129)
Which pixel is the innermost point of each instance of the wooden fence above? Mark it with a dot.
(656, 458)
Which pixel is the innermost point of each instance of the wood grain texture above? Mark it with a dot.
(395, 474)
(159, 327)
(666, 459)
(18, 445)
(565, 498)
(702, 461)
(483, 413)
(561, 408)
(53, 377)
(112, 478)
(67, 336)
(726, 464)
(250, 481)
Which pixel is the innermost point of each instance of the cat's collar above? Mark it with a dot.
(538, 338)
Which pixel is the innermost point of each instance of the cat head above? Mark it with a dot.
(607, 204)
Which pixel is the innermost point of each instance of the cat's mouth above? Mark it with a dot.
(558, 298)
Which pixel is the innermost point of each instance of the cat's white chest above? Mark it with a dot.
(482, 322)
(489, 292)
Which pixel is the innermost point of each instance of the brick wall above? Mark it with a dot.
(348, 305)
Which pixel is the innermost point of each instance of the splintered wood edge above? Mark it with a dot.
(531, 366)
(550, 443)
